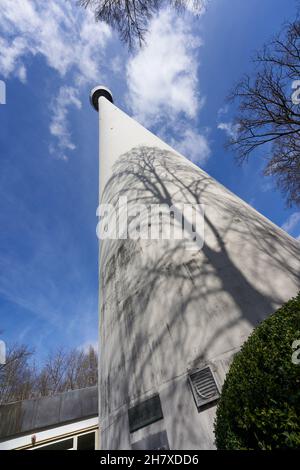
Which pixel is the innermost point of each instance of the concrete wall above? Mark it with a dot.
(166, 310)
(32, 415)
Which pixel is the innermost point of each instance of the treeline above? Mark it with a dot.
(21, 378)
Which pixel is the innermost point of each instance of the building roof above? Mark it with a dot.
(40, 413)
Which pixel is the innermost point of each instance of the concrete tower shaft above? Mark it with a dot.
(166, 312)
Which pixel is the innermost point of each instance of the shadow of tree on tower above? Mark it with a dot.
(166, 309)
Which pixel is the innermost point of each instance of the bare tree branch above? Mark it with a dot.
(64, 370)
(267, 116)
(130, 17)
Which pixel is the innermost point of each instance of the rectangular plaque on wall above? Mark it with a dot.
(158, 441)
(145, 413)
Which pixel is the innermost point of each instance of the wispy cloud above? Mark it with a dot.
(163, 86)
(292, 225)
(223, 110)
(67, 97)
(49, 283)
(230, 129)
(64, 36)
(193, 145)
(194, 7)
(162, 76)
(69, 40)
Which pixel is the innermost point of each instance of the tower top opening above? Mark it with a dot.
(98, 91)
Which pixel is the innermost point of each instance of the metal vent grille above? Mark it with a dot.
(204, 387)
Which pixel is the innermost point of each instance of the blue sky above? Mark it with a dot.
(51, 55)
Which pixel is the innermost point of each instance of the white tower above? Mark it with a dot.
(171, 318)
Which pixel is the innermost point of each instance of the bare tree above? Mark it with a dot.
(68, 371)
(88, 372)
(16, 375)
(130, 17)
(64, 370)
(268, 116)
(56, 370)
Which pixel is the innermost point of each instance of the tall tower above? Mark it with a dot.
(172, 318)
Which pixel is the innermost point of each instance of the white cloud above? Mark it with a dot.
(162, 76)
(67, 96)
(65, 35)
(117, 65)
(10, 53)
(230, 129)
(223, 110)
(22, 74)
(163, 86)
(196, 7)
(266, 185)
(58, 31)
(292, 223)
(194, 146)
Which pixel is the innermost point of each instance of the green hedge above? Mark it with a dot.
(260, 403)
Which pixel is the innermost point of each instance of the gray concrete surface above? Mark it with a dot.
(41, 413)
(165, 310)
